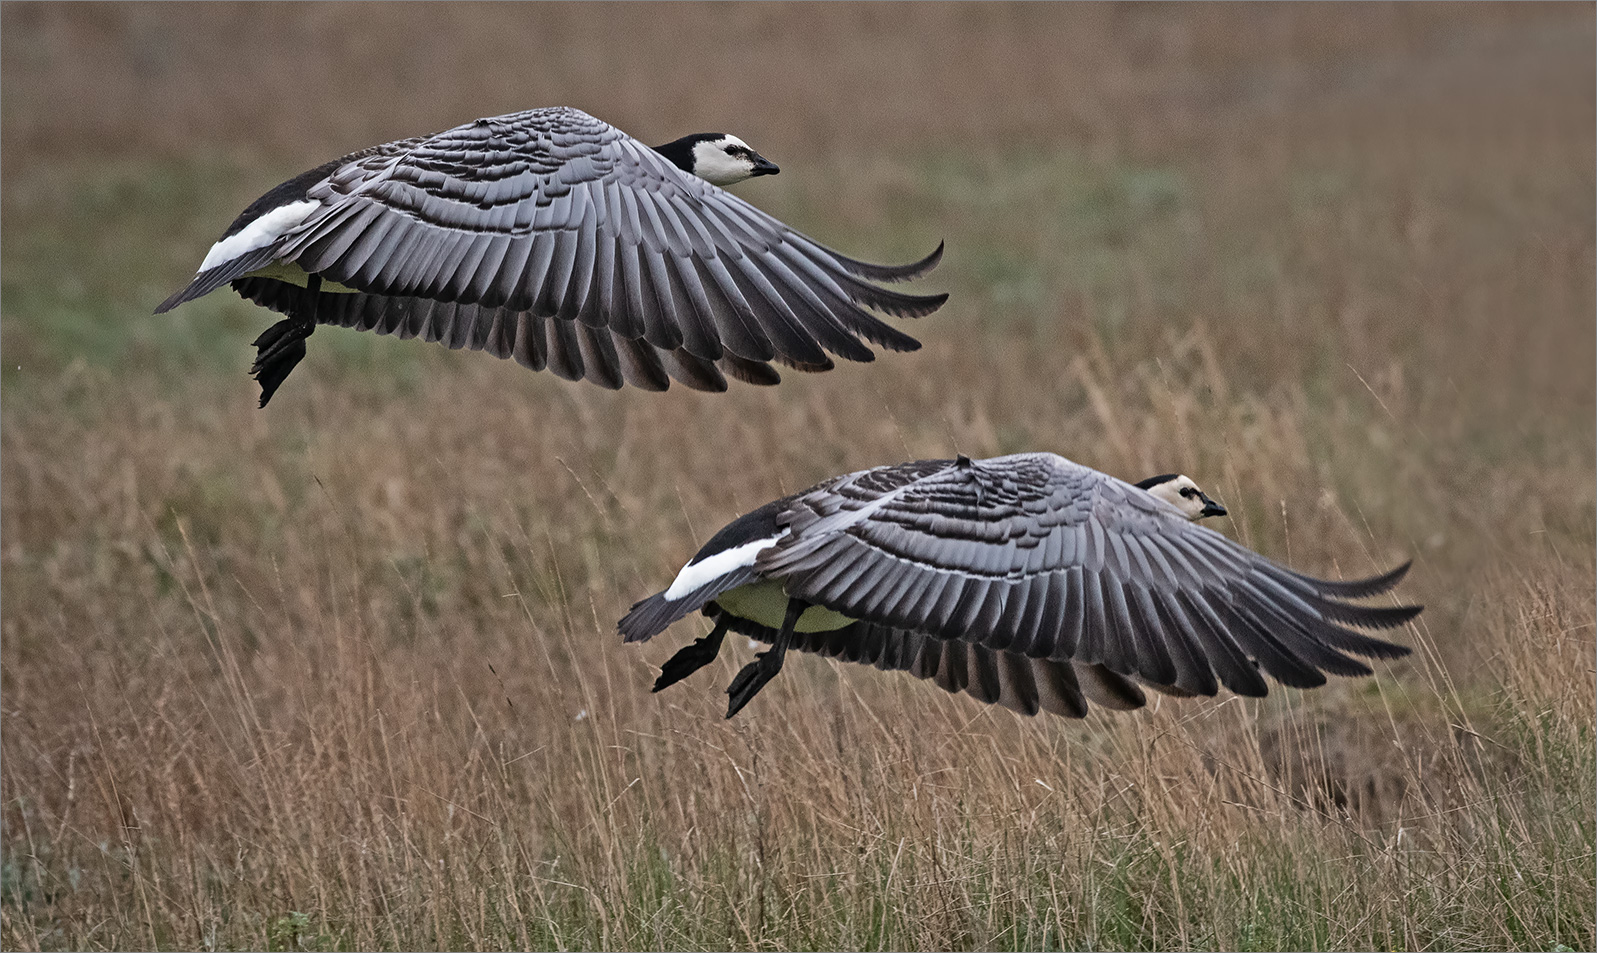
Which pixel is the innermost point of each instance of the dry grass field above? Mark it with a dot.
(343, 673)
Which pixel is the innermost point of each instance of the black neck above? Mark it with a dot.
(680, 151)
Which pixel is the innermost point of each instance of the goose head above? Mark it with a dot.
(1180, 492)
(717, 158)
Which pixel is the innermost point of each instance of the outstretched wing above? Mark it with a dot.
(553, 213)
(1035, 555)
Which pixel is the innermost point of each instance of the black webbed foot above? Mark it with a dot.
(691, 658)
(751, 679)
(278, 349)
(282, 345)
(754, 675)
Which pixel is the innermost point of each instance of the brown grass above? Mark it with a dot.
(343, 674)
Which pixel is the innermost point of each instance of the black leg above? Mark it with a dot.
(282, 345)
(765, 665)
(692, 657)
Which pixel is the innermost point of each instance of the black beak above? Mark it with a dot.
(1210, 507)
(763, 166)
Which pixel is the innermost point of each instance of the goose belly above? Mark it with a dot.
(290, 273)
(766, 603)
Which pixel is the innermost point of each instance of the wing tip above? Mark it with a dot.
(646, 619)
(889, 273)
(925, 265)
(186, 293)
(207, 281)
(1358, 588)
(1384, 582)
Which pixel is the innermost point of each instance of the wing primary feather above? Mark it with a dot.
(1122, 642)
(793, 343)
(599, 357)
(604, 308)
(630, 315)
(811, 312)
(1356, 588)
(1194, 672)
(1272, 618)
(732, 317)
(1109, 689)
(1366, 617)
(1237, 672)
(764, 234)
(847, 309)
(558, 296)
(530, 349)
(472, 332)
(1058, 690)
(896, 303)
(1312, 615)
(951, 673)
(584, 268)
(986, 683)
(508, 289)
(695, 314)
(1276, 659)
(640, 364)
(487, 270)
(749, 372)
(1095, 632)
(894, 273)
(694, 372)
(1163, 658)
(565, 352)
(500, 340)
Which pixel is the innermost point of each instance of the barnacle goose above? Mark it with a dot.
(555, 239)
(1025, 580)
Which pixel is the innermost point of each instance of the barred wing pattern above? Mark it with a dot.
(1037, 556)
(553, 214)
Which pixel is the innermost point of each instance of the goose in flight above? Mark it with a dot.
(1025, 580)
(553, 238)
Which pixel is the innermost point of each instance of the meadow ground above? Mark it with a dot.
(343, 674)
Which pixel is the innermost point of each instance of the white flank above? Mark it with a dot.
(694, 575)
(259, 233)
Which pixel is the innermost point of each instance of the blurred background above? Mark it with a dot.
(343, 673)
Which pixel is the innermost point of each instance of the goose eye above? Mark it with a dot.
(1188, 492)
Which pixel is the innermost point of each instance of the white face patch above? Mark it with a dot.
(259, 233)
(1190, 504)
(712, 164)
(695, 575)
